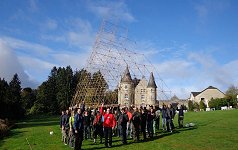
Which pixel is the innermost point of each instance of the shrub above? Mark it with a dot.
(3, 128)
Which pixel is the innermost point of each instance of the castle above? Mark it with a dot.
(136, 92)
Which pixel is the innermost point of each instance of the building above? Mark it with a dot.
(206, 95)
(138, 92)
(175, 101)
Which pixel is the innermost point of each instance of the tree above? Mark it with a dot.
(217, 103)
(15, 107)
(64, 87)
(41, 104)
(231, 95)
(4, 90)
(28, 97)
(56, 93)
(196, 106)
(202, 105)
(15, 89)
(190, 105)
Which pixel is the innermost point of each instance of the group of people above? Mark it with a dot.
(79, 123)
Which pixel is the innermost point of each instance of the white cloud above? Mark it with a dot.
(176, 69)
(30, 60)
(9, 65)
(80, 33)
(75, 59)
(111, 9)
(197, 71)
(26, 46)
(77, 33)
(33, 62)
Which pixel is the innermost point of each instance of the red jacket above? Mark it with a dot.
(97, 119)
(109, 119)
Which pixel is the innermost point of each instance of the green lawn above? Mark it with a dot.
(214, 130)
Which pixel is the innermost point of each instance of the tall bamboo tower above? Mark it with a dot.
(112, 52)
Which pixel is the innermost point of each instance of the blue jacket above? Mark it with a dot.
(78, 122)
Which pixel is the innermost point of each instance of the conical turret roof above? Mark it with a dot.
(127, 76)
(151, 83)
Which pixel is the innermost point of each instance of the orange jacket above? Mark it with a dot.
(129, 115)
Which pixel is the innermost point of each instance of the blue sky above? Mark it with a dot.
(193, 44)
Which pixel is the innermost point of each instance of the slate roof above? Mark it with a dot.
(210, 87)
(151, 83)
(127, 76)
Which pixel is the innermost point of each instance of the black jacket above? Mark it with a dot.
(123, 119)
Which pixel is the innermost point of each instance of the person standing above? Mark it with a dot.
(164, 115)
(71, 130)
(136, 124)
(157, 119)
(65, 127)
(129, 124)
(172, 114)
(180, 116)
(78, 128)
(87, 132)
(143, 122)
(98, 127)
(109, 124)
(150, 118)
(168, 119)
(61, 124)
(123, 119)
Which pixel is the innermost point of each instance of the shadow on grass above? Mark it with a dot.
(130, 141)
(11, 134)
(36, 124)
(176, 131)
(41, 118)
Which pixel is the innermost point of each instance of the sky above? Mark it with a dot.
(193, 44)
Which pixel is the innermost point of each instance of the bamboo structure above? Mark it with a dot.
(112, 52)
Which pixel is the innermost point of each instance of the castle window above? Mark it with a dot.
(152, 90)
(126, 87)
(142, 90)
(126, 96)
(142, 97)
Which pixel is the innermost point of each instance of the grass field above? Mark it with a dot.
(214, 130)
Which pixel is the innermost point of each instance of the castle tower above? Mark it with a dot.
(126, 89)
(141, 92)
(151, 90)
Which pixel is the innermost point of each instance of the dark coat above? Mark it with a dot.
(143, 119)
(65, 121)
(78, 122)
(123, 119)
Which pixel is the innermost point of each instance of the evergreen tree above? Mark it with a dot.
(196, 106)
(202, 105)
(4, 90)
(190, 105)
(15, 107)
(40, 105)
